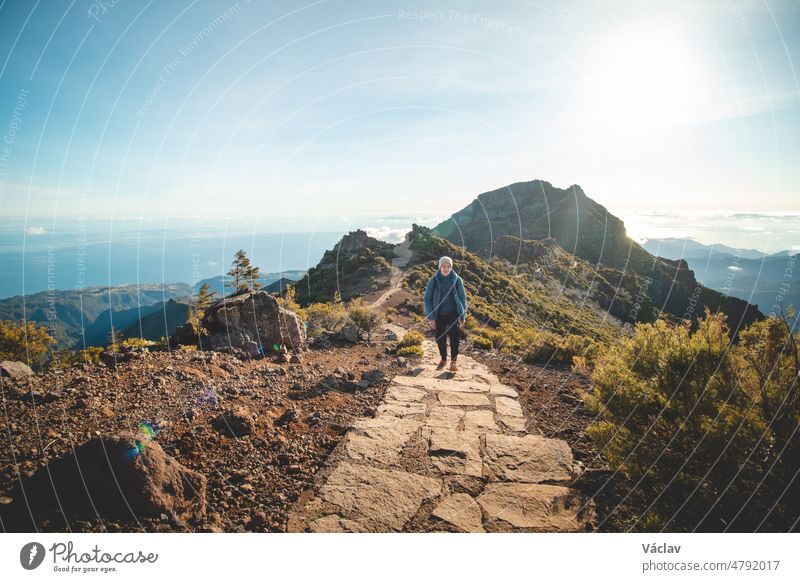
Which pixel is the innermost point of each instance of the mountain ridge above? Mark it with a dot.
(581, 226)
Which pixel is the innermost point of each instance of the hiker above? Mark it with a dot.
(446, 309)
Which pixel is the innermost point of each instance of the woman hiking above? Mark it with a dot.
(446, 309)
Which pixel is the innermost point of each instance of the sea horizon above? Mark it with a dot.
(82, 252)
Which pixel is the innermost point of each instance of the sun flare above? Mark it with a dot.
(645, 78)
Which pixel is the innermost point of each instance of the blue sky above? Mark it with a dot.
(341, 109)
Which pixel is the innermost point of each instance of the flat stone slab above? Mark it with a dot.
(514, 423)
(415, 381)
(461, 511)
(386, 497)
(464, 374)
(528, 459)
(444, 417)
(440, 384)
(380, 439)
(508, 407)
(401, 409)
(535, 507)
(455, 451)
(503, 390)
(480, 420)
(456, 386)
(404, 393)
(462, 399)
(335, 524)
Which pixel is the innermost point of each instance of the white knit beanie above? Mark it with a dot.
(444, 260)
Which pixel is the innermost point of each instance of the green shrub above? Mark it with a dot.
(136, 342)
(363, 317)
(543, 347)
(482, 342)
(411, 338)
(412, 350)
(325, 316)
(66, 358)
(485, 337)
(24, 342)
(705, 430)
(289, 301)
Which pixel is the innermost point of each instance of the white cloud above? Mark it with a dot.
(35, 231)
(388, 234)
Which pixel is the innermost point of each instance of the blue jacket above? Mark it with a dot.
(432, 297)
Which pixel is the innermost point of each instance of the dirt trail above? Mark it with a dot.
(402, 254)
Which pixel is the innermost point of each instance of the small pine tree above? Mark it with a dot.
(114, 339)
(202, 301)
(204, 298)
(243, 273)
(251, 275)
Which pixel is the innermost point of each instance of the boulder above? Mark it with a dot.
(16, 371)
(350, 333)
(185, 334)
(235, 422)
(111, 359)
(254, 322)
(372, 377)
(36, 397)
(123, 476)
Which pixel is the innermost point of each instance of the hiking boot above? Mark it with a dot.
(441, 364)
(453, 366)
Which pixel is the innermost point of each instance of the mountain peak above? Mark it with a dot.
(535, 210)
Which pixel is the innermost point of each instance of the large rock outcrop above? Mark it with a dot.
(253, 322)
(357, 265)
(123, 476)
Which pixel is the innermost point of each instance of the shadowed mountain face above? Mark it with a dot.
(537, 210)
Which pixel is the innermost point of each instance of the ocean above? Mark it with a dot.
(77, 254)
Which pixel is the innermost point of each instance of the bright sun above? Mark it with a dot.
(643, 79)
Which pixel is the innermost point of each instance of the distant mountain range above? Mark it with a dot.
(81, 319)
(766, 280)
(687, 248)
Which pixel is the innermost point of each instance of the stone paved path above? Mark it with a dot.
(445, 452)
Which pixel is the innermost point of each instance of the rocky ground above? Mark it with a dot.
(294, 414)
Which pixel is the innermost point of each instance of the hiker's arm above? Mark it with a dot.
(428, 299)
(463, 296)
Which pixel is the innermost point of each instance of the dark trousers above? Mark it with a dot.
(448, 325)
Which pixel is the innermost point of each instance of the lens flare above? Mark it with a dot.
(147, 429)
(208, 397)
(137, 450)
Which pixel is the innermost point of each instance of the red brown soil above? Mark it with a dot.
(252, 480)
